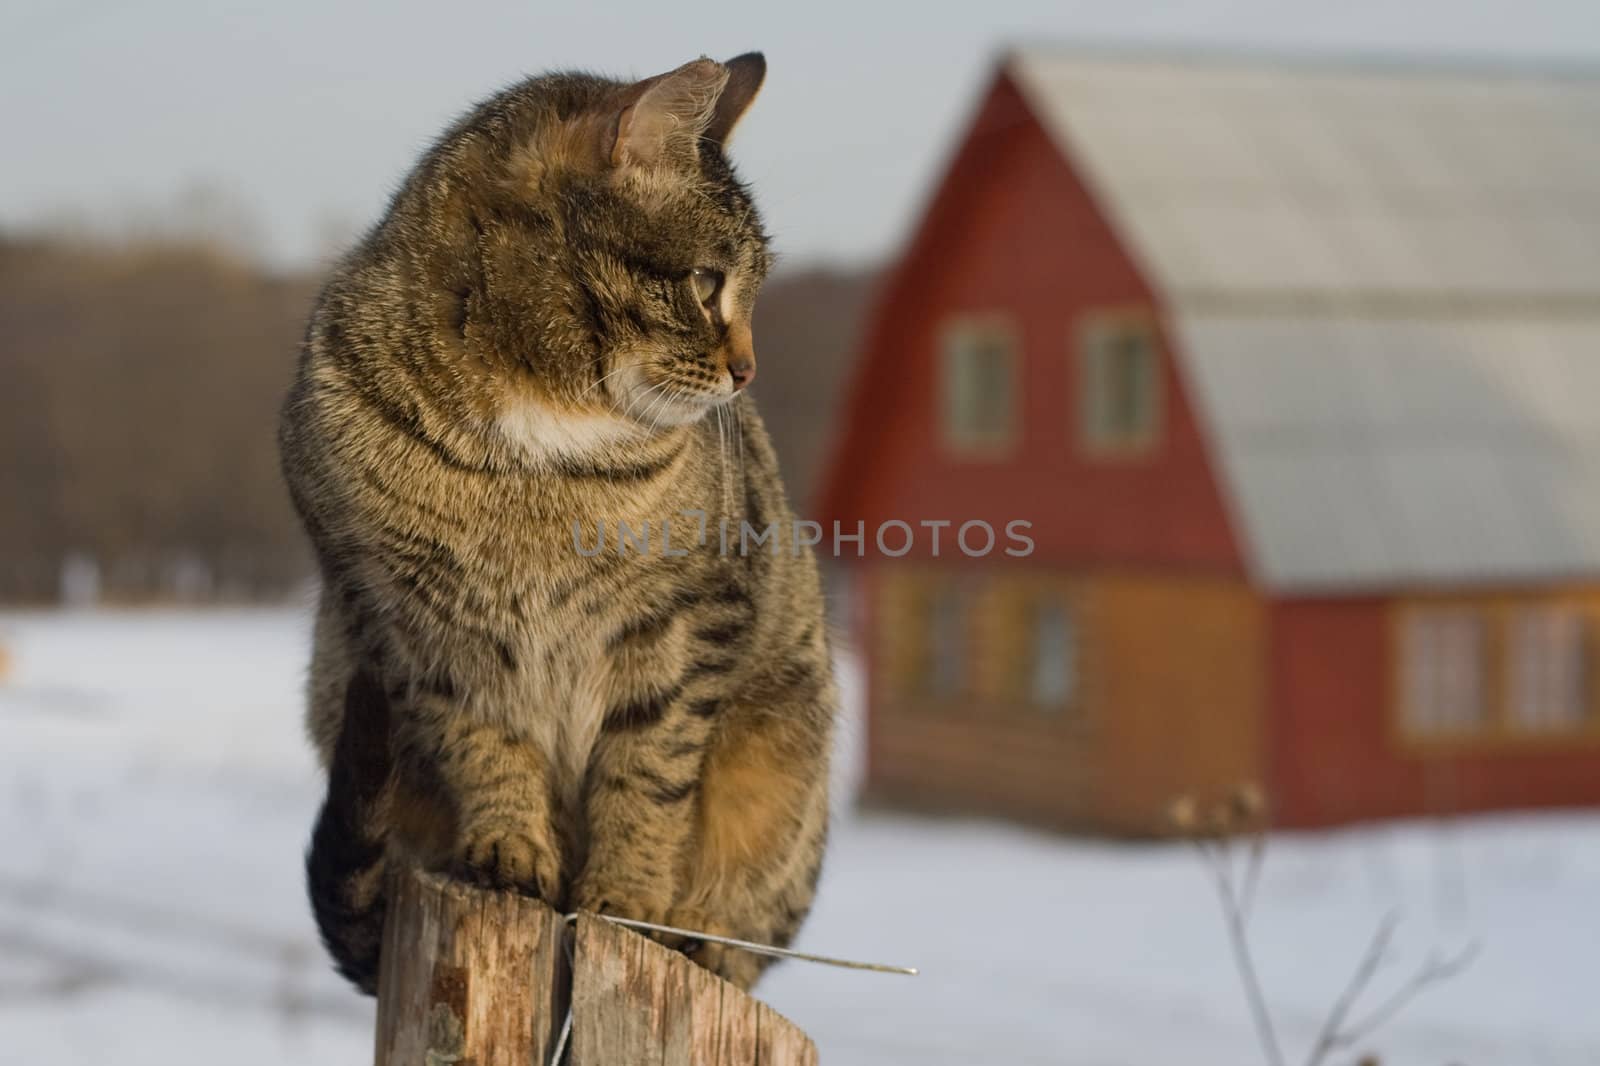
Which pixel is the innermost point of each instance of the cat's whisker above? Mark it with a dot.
(660, 402)
(634, 401)
(738, 421)
(669, 393)
(679, 394)
(602, 380)
(727, 447)
(722, 456)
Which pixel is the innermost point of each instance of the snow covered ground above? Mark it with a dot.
(155, 794)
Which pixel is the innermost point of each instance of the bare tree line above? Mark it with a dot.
(139, 389)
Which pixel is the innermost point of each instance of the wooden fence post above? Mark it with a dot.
(483, 978)
(633, 1001)
(468, 976)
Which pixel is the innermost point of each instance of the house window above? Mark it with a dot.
(946, 653)
(1547, 678)
(1442, 658)
(1055, 656)
(978, 385)
(1119, 384)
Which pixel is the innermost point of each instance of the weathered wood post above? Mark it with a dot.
(483, 978)
(634, 1001)
(468, 976)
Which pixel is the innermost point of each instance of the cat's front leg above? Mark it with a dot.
(498, 786)
(644, 776)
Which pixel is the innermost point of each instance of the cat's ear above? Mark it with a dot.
(670, 109)
(745, 75)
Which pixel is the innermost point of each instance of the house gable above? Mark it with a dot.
(1013, 236)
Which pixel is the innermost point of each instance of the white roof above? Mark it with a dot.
(1384, 288)
(1277, 178)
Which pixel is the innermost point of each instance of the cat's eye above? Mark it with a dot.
(707, 284)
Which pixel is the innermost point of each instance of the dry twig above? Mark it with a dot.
(1434, 969)
(1217, 855)
(1214, 840)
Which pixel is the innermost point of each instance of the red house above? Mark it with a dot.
(1294, 373)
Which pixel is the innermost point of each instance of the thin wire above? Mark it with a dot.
(744, 945)
(754, 947)
(561, 1041)
(566, 1025)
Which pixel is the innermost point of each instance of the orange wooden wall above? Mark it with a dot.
(985, 748)
(1169, 701)
(1181, 699)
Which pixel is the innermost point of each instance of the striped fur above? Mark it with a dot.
(517, 347)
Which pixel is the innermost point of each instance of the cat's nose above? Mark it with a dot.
(741, 353)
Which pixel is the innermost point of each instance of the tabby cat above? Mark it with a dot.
(548, 333)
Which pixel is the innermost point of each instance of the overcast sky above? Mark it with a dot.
(305, 112)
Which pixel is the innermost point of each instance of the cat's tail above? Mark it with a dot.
(345, 867)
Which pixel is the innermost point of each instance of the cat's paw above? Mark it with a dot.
(729, 962)
(707, 953)
(498, 855)
(623, 899)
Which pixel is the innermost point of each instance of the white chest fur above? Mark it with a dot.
(545, 431)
